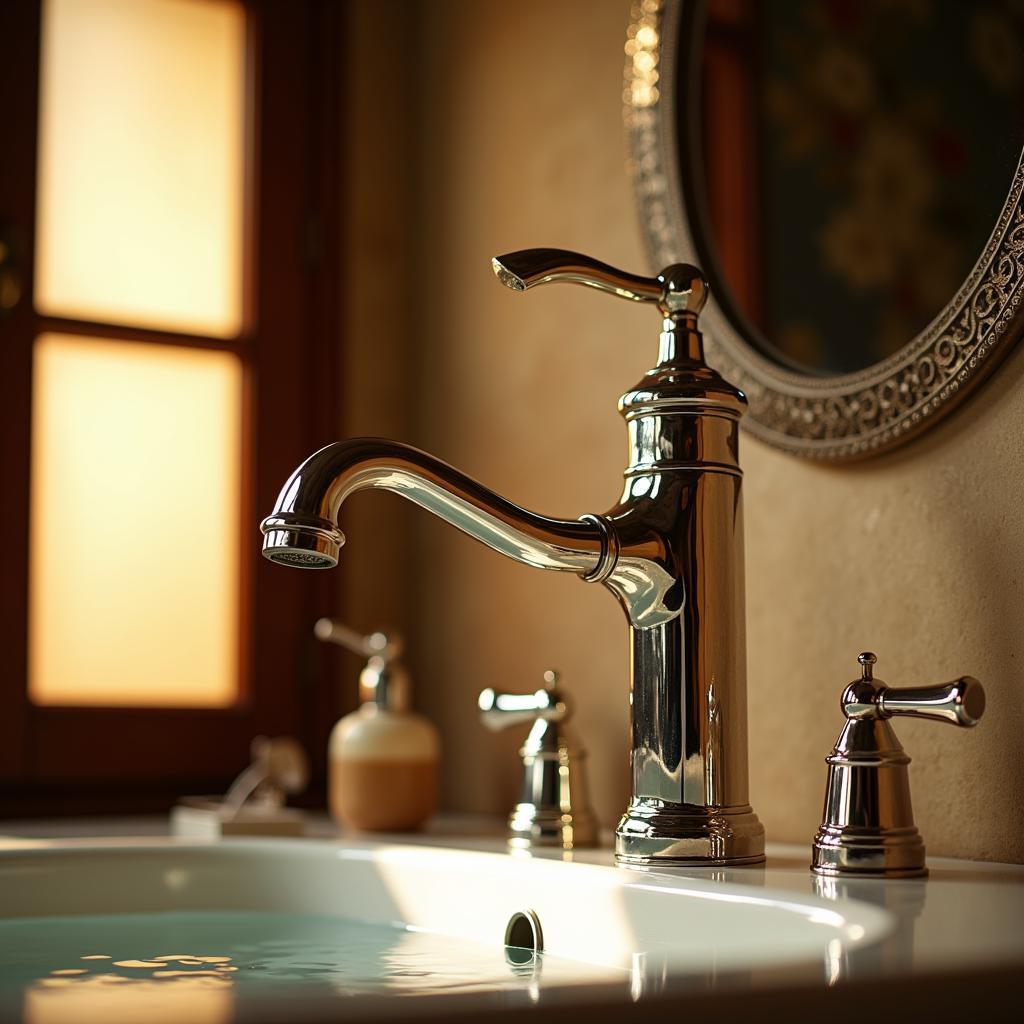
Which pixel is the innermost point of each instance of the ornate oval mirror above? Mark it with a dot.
(849, 175)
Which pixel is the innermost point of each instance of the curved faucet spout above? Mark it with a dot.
(303, 531)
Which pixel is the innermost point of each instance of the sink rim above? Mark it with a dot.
(907, 956)
(855, 922)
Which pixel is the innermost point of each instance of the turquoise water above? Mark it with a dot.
(222, 965)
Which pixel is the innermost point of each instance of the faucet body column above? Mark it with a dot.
(682, 505)
(688, 691)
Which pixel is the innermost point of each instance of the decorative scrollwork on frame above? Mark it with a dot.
(840, 417)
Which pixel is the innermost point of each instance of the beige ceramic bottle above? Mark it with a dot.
(382, 758)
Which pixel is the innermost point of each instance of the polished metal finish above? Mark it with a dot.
(671, 551)
(868, 823)
(679, 289)
(554, 806)
(384, 680)
(302, 530)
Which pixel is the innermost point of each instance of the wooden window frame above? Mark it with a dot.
(116, 759)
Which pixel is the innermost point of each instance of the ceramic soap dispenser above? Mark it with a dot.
(382, 758)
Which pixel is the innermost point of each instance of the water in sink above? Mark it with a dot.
(218, 965)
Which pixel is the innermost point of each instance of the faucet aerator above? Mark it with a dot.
(302, 545)
(300, 559)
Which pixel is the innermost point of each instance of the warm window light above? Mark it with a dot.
(141, 163)
(134, 547)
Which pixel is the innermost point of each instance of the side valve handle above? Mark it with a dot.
(867, 825)
(500, 710)
(553, 808)
(678, 291)
(961, 702)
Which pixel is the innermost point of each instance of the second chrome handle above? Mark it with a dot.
(553, 807)
(500, 710)
(867, 825)
(960, 702)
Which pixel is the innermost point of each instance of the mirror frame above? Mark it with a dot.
(829, 417)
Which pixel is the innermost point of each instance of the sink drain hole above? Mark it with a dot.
(523, 934)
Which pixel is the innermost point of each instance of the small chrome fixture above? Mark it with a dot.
(868, 824)
(671, 551)
(553, 808)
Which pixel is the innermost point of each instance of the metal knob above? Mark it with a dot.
(868, 822)
(553, 809)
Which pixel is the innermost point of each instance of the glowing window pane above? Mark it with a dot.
(141, 163)
(134, 548)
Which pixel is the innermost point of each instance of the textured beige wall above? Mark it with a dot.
(919, 556)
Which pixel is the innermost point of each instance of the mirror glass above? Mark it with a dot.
(855, 157)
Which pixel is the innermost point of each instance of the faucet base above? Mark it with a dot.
(656, 832)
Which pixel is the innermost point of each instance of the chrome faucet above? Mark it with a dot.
(671, 551)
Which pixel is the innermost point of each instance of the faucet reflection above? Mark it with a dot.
(671, 551)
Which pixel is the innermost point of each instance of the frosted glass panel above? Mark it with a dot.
(134, 549)
(141, 163)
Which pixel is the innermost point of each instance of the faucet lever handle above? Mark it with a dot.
(553, 808)
(960, 702)
(678, 290)
(501, 710)
(867, 825)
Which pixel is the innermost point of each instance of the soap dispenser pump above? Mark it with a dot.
(382, 758)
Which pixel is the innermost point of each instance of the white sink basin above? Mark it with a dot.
(366, 922)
